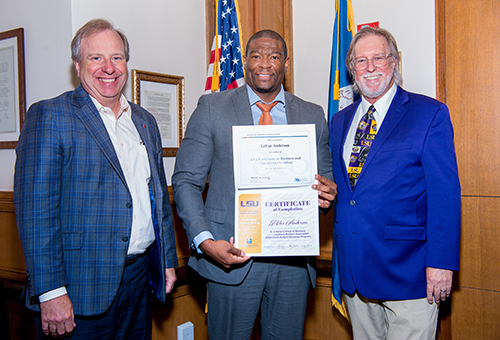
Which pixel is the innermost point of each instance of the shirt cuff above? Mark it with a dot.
(198, 239)
(52, 294)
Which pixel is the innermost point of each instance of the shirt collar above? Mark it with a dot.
(124, 107)
(254, 98)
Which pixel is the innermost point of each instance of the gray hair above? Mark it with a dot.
(95, 26)
(391, 42)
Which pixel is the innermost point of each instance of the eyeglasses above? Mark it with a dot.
(378, 61)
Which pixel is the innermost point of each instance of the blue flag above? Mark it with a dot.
(341, 93)
(340, 96)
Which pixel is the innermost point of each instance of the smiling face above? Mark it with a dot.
(265, 67)
(103, 69)
(374, 81)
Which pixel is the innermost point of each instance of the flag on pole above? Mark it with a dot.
(340, 96)
(225, 70)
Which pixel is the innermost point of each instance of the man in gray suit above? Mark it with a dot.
(238, 285)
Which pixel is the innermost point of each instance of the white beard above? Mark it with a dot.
(383, 85)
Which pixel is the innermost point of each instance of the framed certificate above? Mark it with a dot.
(12, 87)
(163, 96)
(276, 210)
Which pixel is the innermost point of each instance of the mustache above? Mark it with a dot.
(376, 73)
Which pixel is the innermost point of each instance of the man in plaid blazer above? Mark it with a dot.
(91, 198)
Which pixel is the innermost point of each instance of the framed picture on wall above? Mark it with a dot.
(12, 87)
(163, 96)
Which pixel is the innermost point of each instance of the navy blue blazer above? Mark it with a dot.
(404, 212)
(73, 206)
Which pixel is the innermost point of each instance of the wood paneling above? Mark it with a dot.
(480, 250)
(471, 51)
(323, 321)
(12, 264)
(467, 32)
(475, 314)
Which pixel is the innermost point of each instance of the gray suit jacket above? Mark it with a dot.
(207, 150)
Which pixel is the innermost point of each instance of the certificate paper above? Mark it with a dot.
(276, 210)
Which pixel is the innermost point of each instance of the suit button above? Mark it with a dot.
(128, 205)
(125, 239)
(352, 202)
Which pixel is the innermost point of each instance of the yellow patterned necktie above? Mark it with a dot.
(365, 135)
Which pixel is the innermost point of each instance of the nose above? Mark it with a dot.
(370, 66)
(265, 63)
(108, 66)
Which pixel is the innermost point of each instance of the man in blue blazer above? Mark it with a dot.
(92, 205)
(398, 209)
(237, 285)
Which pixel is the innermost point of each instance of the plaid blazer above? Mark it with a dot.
(73, 206)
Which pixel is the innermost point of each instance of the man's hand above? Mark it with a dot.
(57, 316)
(170, 279)
(224, 252)
(327, 191)
(438, 284)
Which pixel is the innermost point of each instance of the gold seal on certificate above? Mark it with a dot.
(276, 210)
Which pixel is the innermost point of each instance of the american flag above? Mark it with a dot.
(225, 70)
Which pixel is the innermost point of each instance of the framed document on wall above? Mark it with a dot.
(12, 87)
(163, 96)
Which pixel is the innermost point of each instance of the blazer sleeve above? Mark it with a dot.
(192, 165)
(443, 193)
(37, 187)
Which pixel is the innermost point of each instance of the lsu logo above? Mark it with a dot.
(249, 204)
(249, 241)
(367, 143)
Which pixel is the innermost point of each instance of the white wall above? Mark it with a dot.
(165, 36)
(411, 22)
(168, 36)
(47, 28)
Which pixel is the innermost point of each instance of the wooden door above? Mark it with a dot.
(256, 15)
(468, 65)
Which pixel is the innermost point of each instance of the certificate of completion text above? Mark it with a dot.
(276, 210)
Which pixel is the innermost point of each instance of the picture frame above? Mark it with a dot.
(12, 87)
(163, 96)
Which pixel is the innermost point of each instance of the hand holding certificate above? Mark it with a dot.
(276, 208)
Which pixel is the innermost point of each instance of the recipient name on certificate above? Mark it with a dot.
(276, 210)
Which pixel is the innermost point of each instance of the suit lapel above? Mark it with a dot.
(292, 110)
(241, 106)
(339, 138)
(144, 131)
(91, 119)
(393, 117)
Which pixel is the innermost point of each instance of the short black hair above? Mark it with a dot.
(268, 34)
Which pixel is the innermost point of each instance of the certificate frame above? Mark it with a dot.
(163, 85)
(12, 63)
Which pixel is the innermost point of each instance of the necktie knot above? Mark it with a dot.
(265, 117)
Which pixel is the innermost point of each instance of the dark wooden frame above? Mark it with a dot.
(21, 91)
(178, 81)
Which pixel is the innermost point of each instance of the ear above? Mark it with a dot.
(287, 60)
(77, 67)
